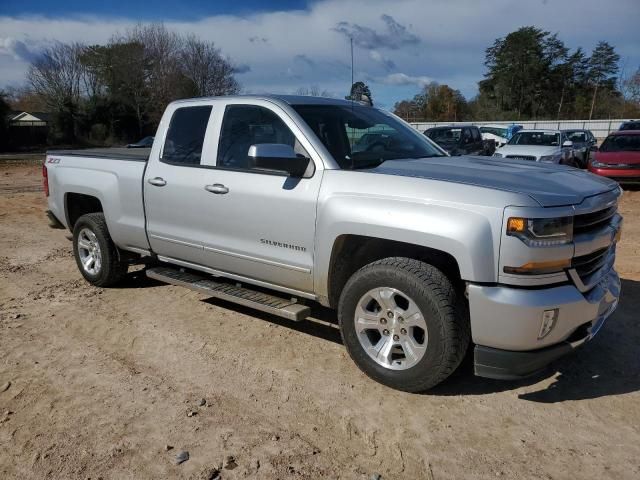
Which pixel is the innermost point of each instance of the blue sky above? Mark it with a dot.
(156, 10)
(283, 45)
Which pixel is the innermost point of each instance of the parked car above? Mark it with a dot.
(456, 141)
(374, 141)
(548, 146)
(419, 252)
(583, 144)
(146, 142)
(500, 134)
(630, 125)
(619, 157)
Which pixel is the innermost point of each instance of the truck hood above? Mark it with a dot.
(548, 184)
(535, 150)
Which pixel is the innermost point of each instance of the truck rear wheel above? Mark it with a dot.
(95, 253)
(403, 323)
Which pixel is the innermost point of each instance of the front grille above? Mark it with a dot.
(522, 157)
(620, 166)
(587, 264)
(590, 222)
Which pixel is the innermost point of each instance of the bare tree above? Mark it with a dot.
(161, 49)
(210, 72)
(56, 77)
(312, 91)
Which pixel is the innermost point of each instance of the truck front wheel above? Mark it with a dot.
(403, 323)
(95, 253)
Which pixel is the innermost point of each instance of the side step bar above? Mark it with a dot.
(287, 308)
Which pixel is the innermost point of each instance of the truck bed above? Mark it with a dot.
(116, 153)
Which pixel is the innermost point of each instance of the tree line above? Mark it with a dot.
(118, 91)
(532, 74)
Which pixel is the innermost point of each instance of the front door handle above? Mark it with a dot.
(157, 181)
(216, 188)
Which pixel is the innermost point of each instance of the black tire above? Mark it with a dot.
(442, 306)
(112, 268)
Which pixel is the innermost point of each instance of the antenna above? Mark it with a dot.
(351, 39)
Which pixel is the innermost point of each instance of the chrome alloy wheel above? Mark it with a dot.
(89, 252)
(391, 328)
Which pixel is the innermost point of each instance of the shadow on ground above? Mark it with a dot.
(608, 365)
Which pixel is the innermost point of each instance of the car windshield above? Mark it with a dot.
(630, 126)
(445, 135)
(621, 143)
(576, 136)
(500, 132)
(544, 139)
(364, 137)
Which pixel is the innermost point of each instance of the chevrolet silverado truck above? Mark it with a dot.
(263, 201)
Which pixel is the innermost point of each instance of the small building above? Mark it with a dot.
(28, 129)
(29, 119)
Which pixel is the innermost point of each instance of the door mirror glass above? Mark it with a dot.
(278, 157)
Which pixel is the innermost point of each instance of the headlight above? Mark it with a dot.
(497, 155)
(550, 158)
(541, 232)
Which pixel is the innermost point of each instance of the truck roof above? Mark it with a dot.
(290, 99)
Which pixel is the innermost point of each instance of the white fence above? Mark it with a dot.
(600, 128)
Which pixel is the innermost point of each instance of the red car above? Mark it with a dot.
(619, 157)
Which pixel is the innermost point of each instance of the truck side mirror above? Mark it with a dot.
(567, 143)
(278, 158)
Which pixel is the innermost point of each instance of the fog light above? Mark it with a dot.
(549, 318)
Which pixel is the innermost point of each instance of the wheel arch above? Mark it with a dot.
(78, 204)
(351, 252)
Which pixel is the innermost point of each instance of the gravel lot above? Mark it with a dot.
(100, 383)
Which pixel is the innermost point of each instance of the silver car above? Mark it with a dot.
(547, 146)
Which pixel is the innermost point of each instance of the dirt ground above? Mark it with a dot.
(104, 381)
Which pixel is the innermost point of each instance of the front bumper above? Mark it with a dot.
(620, 175)
(506, 323)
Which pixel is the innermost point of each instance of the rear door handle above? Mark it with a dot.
(216, 188)
(157, 181)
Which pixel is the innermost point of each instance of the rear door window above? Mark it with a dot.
(185, 137)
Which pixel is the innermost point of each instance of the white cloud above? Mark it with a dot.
(387, 63)
(18, 49)
(404, 79)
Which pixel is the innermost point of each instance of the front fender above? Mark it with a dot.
(469, 233)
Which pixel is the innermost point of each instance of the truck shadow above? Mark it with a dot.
(608, 365)
(137, 279)
(321, 324)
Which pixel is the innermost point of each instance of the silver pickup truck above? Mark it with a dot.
(265, 201)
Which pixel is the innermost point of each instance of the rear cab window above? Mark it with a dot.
(186, 135)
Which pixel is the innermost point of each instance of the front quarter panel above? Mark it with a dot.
(460, 220)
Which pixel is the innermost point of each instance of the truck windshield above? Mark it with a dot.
(445, 135)
(364, 137)
(545, 139)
